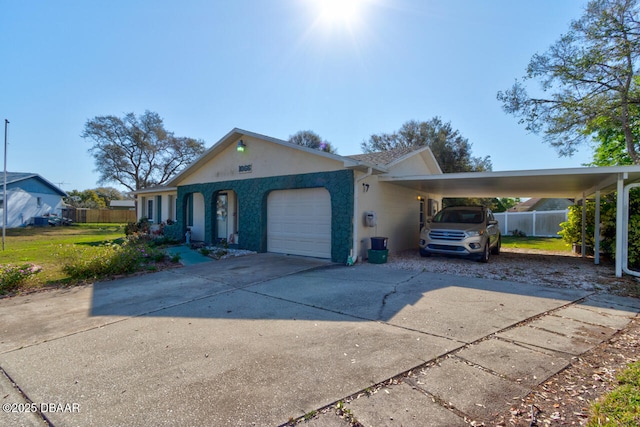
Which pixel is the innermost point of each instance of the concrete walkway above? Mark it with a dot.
(261, 339)
(187, 255)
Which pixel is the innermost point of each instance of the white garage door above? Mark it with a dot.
(299, 222)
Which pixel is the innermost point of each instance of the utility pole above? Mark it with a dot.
(4, 197)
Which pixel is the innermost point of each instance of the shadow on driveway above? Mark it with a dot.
(259, 339)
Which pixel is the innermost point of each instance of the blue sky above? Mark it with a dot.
(272, 67)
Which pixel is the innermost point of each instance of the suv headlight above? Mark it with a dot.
(475, 233)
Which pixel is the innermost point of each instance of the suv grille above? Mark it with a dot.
(451, 235)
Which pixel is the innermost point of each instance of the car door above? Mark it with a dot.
(492, 228)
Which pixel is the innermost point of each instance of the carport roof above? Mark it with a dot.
(570, 183)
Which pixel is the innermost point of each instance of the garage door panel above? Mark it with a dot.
(299, 222)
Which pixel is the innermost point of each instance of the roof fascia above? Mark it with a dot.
(155, 190)
(425, 154)
(607, 170)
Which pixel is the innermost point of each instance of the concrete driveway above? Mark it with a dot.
(262, 339)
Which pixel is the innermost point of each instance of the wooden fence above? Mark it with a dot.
(99, 215)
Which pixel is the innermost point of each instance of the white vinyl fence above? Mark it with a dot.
(540, 224)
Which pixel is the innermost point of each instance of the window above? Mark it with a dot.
(39, 202)
(150, 209)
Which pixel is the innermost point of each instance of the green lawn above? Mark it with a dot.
(39, 245)
(542, 243)
(621, 407)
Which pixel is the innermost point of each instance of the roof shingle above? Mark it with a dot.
(383, 157)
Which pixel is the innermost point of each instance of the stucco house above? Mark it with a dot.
(268, 195)
(29, 196)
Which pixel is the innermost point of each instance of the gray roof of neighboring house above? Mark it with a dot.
(15, 177)
(539, 203)
(122, 203)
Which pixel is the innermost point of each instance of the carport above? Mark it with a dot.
(573, 183)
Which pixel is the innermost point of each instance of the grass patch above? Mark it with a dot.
(620, 407)
(541, 243)
(68, 254)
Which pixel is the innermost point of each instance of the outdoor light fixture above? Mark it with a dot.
(241, 146)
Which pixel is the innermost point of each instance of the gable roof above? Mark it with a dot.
(236, 134)
(392, 157)
(16, 177)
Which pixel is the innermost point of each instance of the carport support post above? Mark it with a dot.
(584, 226)
(619, 223)
(596, 231)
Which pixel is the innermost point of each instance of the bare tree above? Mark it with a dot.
(138, 152)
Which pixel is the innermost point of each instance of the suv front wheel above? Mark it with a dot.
(496, 248)
(424, 253)
(485, 254)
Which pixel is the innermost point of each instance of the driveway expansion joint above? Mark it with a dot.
(21, 392)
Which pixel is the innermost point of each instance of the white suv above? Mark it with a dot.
(462, 230)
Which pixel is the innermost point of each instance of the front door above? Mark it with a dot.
(222, 216)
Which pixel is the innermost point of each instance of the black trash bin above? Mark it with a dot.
(379, 243)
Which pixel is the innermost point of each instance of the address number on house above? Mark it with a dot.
(244, 169)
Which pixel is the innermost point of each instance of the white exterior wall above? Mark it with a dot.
(398, 215)
(265, 160)
(167, 208)
(23, 206)
(397, 207)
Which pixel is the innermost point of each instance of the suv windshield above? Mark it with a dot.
(460, 216)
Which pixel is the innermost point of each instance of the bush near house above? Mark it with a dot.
(13, 277)
(572, 229)
(61, 256)
(111, 259)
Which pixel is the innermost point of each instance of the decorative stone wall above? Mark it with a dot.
(252, 206)
(174, 231)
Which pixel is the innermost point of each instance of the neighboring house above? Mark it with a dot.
(540, 204)
(268, 195)
(122, 204)
(29, 196)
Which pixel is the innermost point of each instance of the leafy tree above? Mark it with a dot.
(138, 152)
(310, 139)
(498, 204)
(109, 193)
(503, 204)
(85, 199)
(610, 148)
(96, 198)
(451, 150)
(589, 75)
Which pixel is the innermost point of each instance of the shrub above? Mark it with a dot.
(572, 229)
(14, 276)
(108, 260)
(143, 226)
